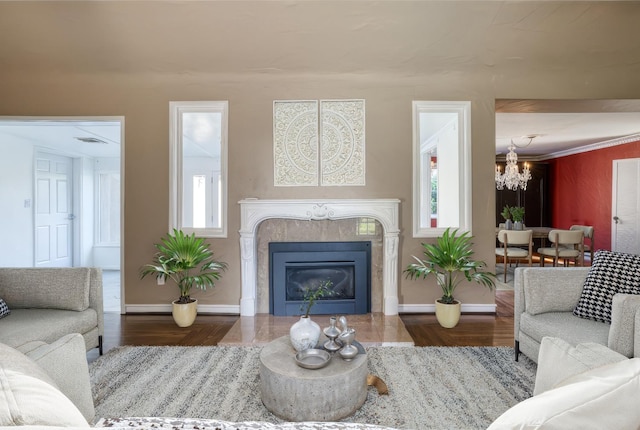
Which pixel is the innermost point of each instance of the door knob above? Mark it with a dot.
(616, 219)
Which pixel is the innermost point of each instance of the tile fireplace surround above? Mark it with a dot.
(255, 211)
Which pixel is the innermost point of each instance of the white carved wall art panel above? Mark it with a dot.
(342, 150)
(295, 143)
(339, 158)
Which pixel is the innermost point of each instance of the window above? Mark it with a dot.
(198, 159)
(441, 167)
(366, 227)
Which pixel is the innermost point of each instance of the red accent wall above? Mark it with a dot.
(580, 189)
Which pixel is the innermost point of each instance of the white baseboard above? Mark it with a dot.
(235, 309)
(166, 309)
(431, 308)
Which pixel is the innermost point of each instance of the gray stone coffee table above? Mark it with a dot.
(297, 394)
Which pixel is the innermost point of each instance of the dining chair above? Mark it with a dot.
(566, 244)
(588, 234)
(516, 245)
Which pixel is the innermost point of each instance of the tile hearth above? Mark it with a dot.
(374, 329)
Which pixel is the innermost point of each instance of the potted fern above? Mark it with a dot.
(449, 260)
(188, 262)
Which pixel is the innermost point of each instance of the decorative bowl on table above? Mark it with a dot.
(313, 358)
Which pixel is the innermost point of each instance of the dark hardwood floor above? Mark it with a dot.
(473, 329)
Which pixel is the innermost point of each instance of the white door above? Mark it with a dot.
(625, 208)
(53, 209)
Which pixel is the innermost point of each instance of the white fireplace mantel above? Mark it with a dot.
(254, 211)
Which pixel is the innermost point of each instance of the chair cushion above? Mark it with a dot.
(4, 309)
(29, 397)
(601, 398)
(47, 325)
(513, 252)
(610, 273)
(562, 252)
(564, 325)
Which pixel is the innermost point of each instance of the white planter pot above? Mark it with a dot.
(304, 334)
(448, 315)
(184, 314)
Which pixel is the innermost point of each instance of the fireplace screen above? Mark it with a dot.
(341, 282)
(295, 267)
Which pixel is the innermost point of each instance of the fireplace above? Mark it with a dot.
(254, 211)
(296, 267)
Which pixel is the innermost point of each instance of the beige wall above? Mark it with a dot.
(143, 98)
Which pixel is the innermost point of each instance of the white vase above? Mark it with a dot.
(304, 334)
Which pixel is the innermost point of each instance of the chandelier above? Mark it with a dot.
(512, 178)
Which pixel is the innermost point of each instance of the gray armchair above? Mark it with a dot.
(544, 300)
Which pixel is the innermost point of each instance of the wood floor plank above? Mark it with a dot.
(151, 329)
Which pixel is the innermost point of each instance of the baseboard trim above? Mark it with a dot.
(431, 308)
(166, 309)
(235, 309)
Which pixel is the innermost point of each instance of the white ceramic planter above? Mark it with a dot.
(184, 314)
(304, 334)
(448, 315)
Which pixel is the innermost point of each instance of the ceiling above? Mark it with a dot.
(563, 127)
(62, 135)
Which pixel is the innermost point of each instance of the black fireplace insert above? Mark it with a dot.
(295, 267)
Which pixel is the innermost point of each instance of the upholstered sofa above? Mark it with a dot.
(46, 304)
(544, 304)
(587, 386)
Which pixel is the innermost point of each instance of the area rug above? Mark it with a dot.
(429, 387)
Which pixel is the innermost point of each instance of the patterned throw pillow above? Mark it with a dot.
(4, 309)
(610, 273)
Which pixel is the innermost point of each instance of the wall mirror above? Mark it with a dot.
(441, 167)
(198, 159)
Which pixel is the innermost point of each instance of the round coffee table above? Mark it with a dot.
(294, 393)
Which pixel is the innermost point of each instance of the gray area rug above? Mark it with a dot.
(429, 387)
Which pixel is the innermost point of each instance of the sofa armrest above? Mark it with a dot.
(636, 335)
(622, 334)
(546, 289)
(96, 296)
(65, 361)
(559, 360)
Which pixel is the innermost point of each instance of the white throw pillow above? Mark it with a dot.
(601, 398)
(29, 397)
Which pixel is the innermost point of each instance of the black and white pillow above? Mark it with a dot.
(4, 309)
(610, 273)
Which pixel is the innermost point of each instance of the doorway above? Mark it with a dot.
(625, 213)
(61, 194)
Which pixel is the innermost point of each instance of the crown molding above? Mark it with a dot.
(593, 147)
